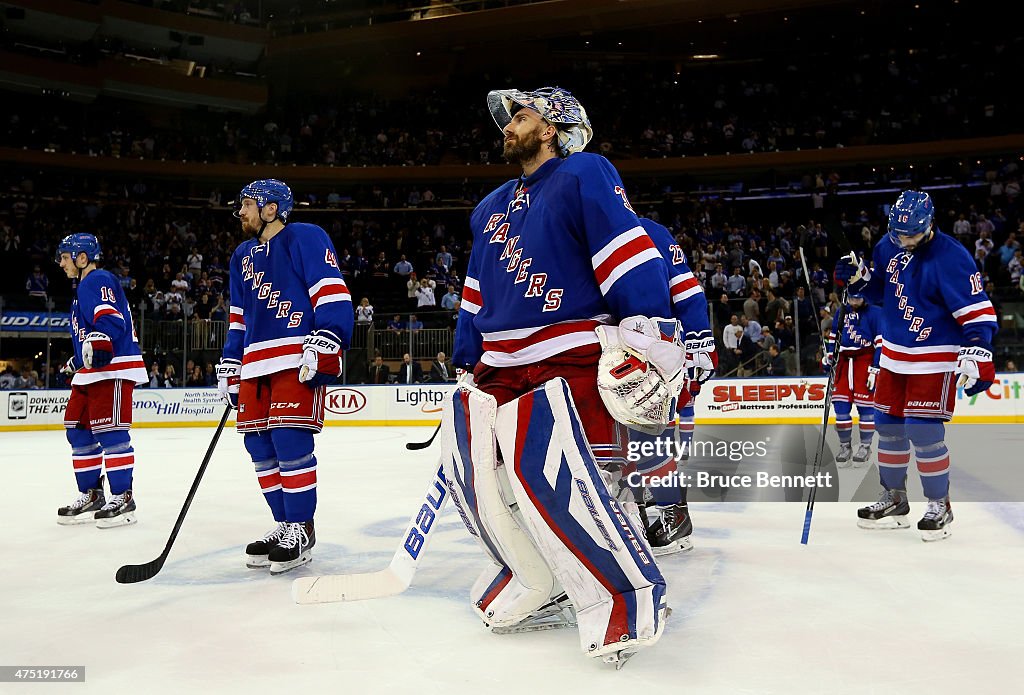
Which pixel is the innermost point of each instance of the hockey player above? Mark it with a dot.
(671, 531)
(860, 348)
(937, 328)
(106, 365)
(290, 319)
(559, 261)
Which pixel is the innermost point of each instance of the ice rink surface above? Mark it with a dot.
(754, 611)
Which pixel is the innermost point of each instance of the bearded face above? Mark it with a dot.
(523, 146)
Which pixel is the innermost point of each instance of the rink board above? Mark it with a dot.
(723, 402)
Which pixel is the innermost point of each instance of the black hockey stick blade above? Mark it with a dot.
(132, 574)
(416, 446)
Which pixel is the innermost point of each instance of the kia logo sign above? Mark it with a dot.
(344, 401)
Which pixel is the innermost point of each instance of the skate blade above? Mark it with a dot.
(256, 562)
(861, 464)
(126, 519)
(533, 627)
(79, 520)
(619, 658)
(679, 546)
(937, 535)
(887, 523)
(843, 464)
(282, 567)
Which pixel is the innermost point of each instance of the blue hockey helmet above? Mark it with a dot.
(911, 215)
(555, 105)
(855, 294)
(266, 191)
(77, 243)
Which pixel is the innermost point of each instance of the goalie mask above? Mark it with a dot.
(554, 104)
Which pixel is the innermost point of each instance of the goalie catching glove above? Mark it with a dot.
(97, 351)
(321, 359)
(974, 368)
(641, 371)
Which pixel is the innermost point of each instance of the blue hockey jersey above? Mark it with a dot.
(861, 334)
(932, 303)
(689, 305)
(100, 305)
(280, 291)
(555, 254)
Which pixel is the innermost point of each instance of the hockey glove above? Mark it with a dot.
(641, 371)
(826, 359)
(975, 368)
(872, 376)
(97, 351)
(229, 378)
(851, 270)
(70, 367)
(701, 358)
(321, 359)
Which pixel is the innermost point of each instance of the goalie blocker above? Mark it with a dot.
(524, 475)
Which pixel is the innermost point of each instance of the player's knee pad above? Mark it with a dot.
(259, 445)
(291, 443)
(843, 409)
(519, 580)
(866, 413)
(890, 427)
(82, 441)
(925, 432)
(598, 555)
(114, 441)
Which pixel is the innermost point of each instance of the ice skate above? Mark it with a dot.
(938, 517)
(557, 613)
(671, 532)
(863, 455)
(257, 552)
(844, 454)
(118, 511)
(889, 512)
(293, 549)
(83, 509)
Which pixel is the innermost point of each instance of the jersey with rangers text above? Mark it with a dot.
(861, 334)
(932, 303)
(280, 291)
(555, 254)
(100, 306)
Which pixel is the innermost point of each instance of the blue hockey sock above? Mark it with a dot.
(86, 458)
(261, 449)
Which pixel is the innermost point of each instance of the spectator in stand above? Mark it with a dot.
(425, 294)
(735, 284)
(364, 312)
(37, 283)
(8, 378)
(776, 364)
(722, 310)
(410, 372)
(453, 318)
(775, 309)
(396, 324)
(170, 377)
(156, 379)
(751, 307)
(196, 379)
(220, 310)
(414, 323)
(210, 375)
(403, 267)
(449, 299)
(962, 229)
(412, 286)
(379, 372)
(443, 258)
(440, 369)
(1016, 269)
(820, 281)
(179, 284)
(732, 334)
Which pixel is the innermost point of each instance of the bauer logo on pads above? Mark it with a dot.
(17, 406)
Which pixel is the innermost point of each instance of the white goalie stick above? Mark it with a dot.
(397, 576)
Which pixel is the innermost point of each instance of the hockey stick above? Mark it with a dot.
(397, 576)
(839, 239)
(416, 446)
(130, 574)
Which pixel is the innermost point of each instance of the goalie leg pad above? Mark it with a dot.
(596, 552)
(518, 582)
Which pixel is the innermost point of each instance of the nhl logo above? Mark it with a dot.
(17, 406)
